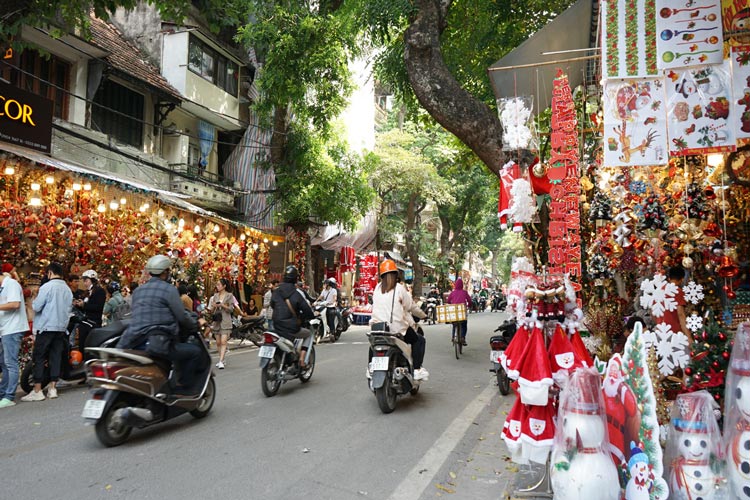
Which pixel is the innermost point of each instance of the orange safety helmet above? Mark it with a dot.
(387, 266)
(75, 357)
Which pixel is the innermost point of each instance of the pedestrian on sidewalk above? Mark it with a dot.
(13, 324)
(220, 306)
(52, 304)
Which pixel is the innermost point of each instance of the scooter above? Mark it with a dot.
(499, 302)
(498, 344)
(430, 309)
(279, 362)
(72, 363)
(132, 389)
(250, 329)
(390, 372)
(318, 325)
(345, 314)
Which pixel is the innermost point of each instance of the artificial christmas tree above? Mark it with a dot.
(709, 359)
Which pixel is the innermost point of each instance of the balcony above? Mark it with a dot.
(194, 186)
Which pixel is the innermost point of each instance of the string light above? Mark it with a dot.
(255, 246)
(35, 186)
(49, 180)
(275, 243)
(243, 237)
(181, 223)
(146, 206)
(35, 202)
(265, 240)
(113, 205)
(10, 170)
(123, 201)
(87, 187)
(216, 228)
(76, 186)
(160, 213)
(142, 208)
(197, 229)
(101, 208)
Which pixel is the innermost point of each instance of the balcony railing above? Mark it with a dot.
(197, 173)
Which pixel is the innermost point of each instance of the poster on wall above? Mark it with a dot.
(688, 33)
(741, 86)
(629, 35)
(736, 19)
(635, 122)
(698, 110)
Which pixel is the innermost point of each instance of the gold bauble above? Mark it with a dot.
(687, 263)
(539, 170)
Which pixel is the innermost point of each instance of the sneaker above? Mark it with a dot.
(61, 384)
(220, 365)
(33, 396)
(52, 393)
(5, 403)
(421, 374)
(463, 342)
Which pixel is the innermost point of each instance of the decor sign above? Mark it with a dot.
(564, 254)
(629, 38)
(25, 118)
(689, 34)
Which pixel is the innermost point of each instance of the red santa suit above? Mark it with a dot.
(620, 404)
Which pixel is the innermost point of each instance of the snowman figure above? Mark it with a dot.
(641, 479)
(737, 415)
(581, 468)
(693, 448)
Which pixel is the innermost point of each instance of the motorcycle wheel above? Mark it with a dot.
(27, 378)
(269, 380)
(503, 382)
(306, 375)
(207, 401)
(109, 432)
(386, 394)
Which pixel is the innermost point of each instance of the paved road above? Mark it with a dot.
(324, 440)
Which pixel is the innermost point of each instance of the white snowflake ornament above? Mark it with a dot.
(694, 322)
(693, 292)
(659, 295)
(671, 349)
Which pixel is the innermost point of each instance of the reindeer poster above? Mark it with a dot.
(635, 125)
(689, 33)
(699, 108)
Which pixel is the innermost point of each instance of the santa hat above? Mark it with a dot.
(740, 360)
(692, 411)
(512, 431)
(562, 358)
(535, 375)
(538, 432)
(6, 267)
(583, 393)
(512, 354)
(636, 456)
(581, 352)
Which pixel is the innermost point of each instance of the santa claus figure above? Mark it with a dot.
(641, 479)
(693, 448)
(582, 467)
(737, 415)
(623, 417)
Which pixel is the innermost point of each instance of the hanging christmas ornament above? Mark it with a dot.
(728, 267)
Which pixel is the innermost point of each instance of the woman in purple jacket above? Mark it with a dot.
(460, 296)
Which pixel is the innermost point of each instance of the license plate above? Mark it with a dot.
(93, 408)
(495, 356)
(266, 351)
(379, 363)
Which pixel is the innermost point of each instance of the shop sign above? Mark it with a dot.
(25, 118)
(408, 274)
(564, 255)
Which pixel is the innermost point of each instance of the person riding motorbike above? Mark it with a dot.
(434, 294)
(157, 317)
(392, 304)
(330, 297)
(92, 306)
(290, 311)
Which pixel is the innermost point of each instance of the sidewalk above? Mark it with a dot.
(480, 467)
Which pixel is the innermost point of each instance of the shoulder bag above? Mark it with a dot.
(294, 313)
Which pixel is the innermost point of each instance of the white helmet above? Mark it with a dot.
(332, 282)
(158, 264)
(90, 274)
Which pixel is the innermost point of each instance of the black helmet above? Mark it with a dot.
(291, 275)
(113, 287)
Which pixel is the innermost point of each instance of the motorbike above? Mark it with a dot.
(319, 328)
(279, 362)
(345, 314)
(498, 344)
(72, 363)
(390, 372)
(429, 306)
(499, 302)
(251, 329)
(132, 389)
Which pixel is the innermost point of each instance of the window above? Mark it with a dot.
(118, 112)
(44, 76)
(217, 69)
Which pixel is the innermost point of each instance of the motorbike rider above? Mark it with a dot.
(392, 304)
(290, 311)
(330, 297)
(434, 294)
(302, 288)
(157, 307)
(92, 306)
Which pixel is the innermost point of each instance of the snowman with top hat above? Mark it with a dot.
(581, 467)
(737, 415)
(693, 449)
(641, 478)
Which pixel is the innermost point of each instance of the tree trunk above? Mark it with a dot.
(412, 249)
(278, 138)
(468, 118)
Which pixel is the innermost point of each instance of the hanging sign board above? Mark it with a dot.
(25, 118)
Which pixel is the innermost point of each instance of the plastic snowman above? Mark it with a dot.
(581, 469)
(693, 448)
(641, 479)
(737, 415)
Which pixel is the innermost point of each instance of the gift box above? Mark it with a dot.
(449, 313)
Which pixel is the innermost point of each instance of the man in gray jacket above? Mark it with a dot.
(52, 305)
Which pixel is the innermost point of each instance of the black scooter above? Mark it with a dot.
(499, 302)
(498, 344)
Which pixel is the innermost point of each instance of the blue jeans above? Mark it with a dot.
(461, 326)
(9, 346)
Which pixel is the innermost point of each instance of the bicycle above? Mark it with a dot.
(458, 343)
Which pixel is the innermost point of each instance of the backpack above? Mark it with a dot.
(122, 310)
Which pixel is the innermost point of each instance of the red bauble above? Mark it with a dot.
(717, 396)
(688, 371)
(722, 337)
(715, 365)
(631, 364)
(705, 335)
(731, 295)
(697, 378)
(725, 355)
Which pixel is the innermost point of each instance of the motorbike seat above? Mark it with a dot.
(252, 322)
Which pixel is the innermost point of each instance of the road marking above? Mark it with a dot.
(414, 484)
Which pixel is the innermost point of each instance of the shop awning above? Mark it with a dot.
(571, 30)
